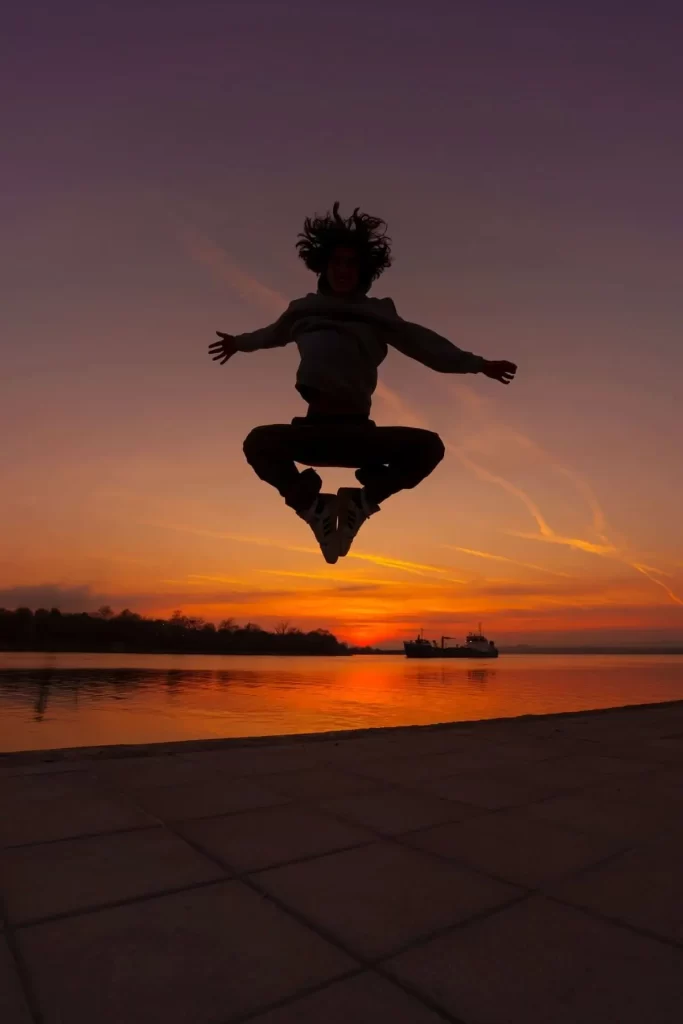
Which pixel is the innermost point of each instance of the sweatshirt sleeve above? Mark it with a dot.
(272, 336)
(431, 349)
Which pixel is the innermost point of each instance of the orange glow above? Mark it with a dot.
(504, 531)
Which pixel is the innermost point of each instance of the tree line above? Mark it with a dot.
(52, 630)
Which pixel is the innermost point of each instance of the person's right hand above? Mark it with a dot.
(224, 349)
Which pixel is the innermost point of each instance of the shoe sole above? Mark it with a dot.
(344, 499)
(330, 548)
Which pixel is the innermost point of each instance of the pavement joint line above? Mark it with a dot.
(467, 866)
(587, 868)
(415, 790)
(113, 904)
(396, 839)
(320, 805)
(647, 933)
(447, 929)
(417, 993)
(249, 879)
(290, 1000)
(154, 823)
(372, 961)
(241, 873)
(154, 826)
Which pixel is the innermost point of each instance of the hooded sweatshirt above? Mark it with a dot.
(342, 341)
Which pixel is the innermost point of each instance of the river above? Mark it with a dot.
(65, 700)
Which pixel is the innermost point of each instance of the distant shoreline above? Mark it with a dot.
(591, 650)
(177, 653)
(562, 650)
(335, 654)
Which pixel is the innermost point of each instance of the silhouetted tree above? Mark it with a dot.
(23, 629)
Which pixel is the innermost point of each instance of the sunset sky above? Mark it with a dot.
(159, 160)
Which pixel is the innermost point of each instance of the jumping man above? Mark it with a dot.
(342, 336)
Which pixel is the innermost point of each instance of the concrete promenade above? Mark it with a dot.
(527, 871)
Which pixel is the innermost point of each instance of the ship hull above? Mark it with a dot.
(417, 651)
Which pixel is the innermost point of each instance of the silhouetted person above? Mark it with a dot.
(342, 337)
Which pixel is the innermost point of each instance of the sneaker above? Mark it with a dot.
(354, 509)
(322, 519)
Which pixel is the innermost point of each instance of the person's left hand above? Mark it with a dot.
(500, 369)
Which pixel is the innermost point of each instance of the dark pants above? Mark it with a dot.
(387, 459)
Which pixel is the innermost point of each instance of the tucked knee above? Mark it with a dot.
(434, 449)
(255, 443)
(424, 455)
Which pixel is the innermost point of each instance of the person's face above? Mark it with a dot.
(343, 271)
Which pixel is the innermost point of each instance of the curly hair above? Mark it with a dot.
(362, 232)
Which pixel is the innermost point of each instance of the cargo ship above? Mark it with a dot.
(476, 646)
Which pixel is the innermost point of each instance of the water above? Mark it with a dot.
(65, 700)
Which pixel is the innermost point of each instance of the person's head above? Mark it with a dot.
(347, 254)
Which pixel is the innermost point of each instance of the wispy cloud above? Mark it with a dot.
(653, 575)
(209, 254)
(399, 407)
(331, 576)
(194, 577)
(415, 568)
(504, 558)
(591, 547)
(603, 546)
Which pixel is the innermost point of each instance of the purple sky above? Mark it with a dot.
(528, 158)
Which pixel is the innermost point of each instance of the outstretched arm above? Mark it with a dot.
(438, 353)
(272, 336)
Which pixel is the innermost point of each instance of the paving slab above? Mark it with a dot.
(265, 838)
(643, 888)
(204, 799)
(261, 760)
(542, 962)
(378, 898)
(199, 957)
(35, 809)
(13, 1007)
(427, 741)
(364, 999)
(392, 811)
(516, 847)
(663, 788)
(318, 782)
(577, 770)
(76, 874)
(169, 770)
(440, 765)
(628, 813)
(486, 790)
